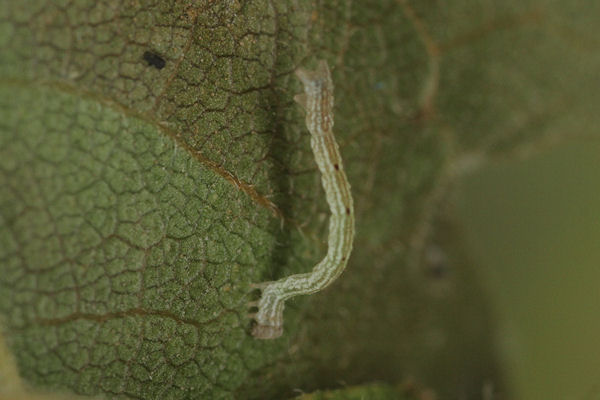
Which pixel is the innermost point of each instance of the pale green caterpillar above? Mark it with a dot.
(317, 101)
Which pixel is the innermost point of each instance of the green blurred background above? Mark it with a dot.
(534, 227)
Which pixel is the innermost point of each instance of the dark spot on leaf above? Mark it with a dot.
(347, 211)
(437, 264)
(337, 167)
(154, 60)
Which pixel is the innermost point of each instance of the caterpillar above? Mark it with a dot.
(317, 101)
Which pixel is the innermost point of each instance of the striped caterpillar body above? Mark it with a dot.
(317, 101)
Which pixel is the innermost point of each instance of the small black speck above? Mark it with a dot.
(154, 60)
(337, 167)
(347, 211)
(437, 263)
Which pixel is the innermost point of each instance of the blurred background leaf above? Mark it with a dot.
(534, 226)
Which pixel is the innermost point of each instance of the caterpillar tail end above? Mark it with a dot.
(267, 331)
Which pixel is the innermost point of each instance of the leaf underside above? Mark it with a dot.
(153, 164)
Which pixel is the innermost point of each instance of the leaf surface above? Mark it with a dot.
(153, 165)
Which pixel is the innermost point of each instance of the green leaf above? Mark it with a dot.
(11, 385)
(10, 381)
(364, 392)
(123, 248)
(153, 165)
